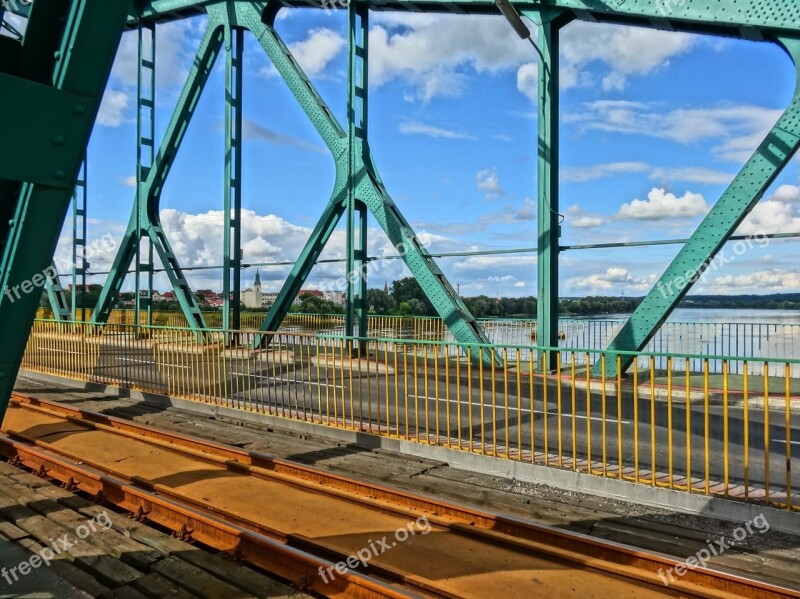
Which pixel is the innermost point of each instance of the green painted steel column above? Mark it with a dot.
(548, 218)
(145, 156)
(232, 241)
(80, 201)
(357, 119)
(56, 101)
(749, 186)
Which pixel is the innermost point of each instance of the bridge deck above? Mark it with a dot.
(769, 556)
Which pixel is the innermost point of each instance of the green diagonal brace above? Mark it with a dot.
(147, 217)
(361, 177)
(719, 225)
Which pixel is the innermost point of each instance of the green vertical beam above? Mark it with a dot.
(357, 119)
(79, 233)
(232, 234)
(145, 155)
(145, 218)
(549, 220)
(65, 308)
(70, 83)
(749, 186)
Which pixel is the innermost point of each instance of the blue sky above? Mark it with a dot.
(654, 126)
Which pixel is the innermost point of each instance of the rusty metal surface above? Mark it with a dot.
(338, 514)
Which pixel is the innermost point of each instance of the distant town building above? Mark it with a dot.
(335, 297)
(254, 297)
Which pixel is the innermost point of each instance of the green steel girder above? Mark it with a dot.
(749, 186)
(747, 19)
(38, 139)
(145, 220)
(70, 47)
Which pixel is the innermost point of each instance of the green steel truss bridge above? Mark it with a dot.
(52, 78)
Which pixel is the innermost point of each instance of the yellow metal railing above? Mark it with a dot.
(669, 422)
(755, 341)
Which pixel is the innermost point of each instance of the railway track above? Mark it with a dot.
(299, 523)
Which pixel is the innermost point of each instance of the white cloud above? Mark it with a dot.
(773, 280)
(623, 50)
(129, 181)
(413, 128)
(436, 54)
(528, 81)
(770, 216)
(577, 218)
(112, 108)
(489, 183)
(615, 277)
(660, 205)
(176, 45)
(787, 193)
(738, 129)
(315, 53)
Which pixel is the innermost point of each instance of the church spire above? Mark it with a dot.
(258, 278)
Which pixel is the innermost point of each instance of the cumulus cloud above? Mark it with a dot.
(660, 205)
(489, 183)
(176, 45)
(437, 54)
(112, 108)
(614, 278)
(773, 280)
(773, 215)
(623, 50)
(528, 81)
(316, 52)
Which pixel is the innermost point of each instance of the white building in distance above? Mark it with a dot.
(253, 297)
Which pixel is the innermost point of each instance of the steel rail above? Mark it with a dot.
(297, 567)
(586, 552)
